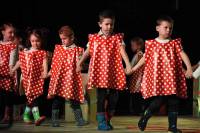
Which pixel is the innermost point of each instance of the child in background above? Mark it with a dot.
(134, 80)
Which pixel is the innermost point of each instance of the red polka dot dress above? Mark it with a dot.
(31, 62)
(7, 82)
(163, 74)
(65, 81)
(135, 80)
(106, 68)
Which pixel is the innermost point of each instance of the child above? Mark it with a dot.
(134, 80)
(14, 57)
(65, 82)
(7, 81)
(33, 63)
(163, 78)
(106, 71)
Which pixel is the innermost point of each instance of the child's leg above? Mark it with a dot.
(154, 106)
(173, 103)
(75, 105)
(112, 98)
(8, 114)
(57, 102)
(101, 117)
(27, 115)
(36, 114)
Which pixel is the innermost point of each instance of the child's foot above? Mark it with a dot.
(174, 131)
(40, 120)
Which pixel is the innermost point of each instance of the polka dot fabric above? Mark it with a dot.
(32, 68)
(65, 81)
(163, 74)
(6, 81)
(106, 68)
(135, 80)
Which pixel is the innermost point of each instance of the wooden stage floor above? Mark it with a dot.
(122, 124)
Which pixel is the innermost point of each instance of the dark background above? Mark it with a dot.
(133, 18)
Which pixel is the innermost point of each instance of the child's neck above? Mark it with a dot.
(106, 34)
(163, 38)
(33, 48)
(68, 45)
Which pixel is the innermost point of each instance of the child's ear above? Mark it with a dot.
(99, 23)
(72, 38)
(157, 28)
(3, 32)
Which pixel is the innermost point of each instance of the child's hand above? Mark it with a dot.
(12, 72)
(44, 75)
(78, 67)
(50, 96)
(128, 69)
(188, 73)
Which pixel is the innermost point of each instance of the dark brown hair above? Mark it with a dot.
(106, 14)
(139, 41)
(66, 31)
(164, 18)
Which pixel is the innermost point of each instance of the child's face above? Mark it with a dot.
(134, 46)
(66, 40)
(8, 33)
(164, 29)
(107, 25)
(35, 42)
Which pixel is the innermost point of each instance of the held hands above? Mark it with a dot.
(128, 70)
(12, 72)
(44, 75)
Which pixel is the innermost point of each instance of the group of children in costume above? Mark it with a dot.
(157, 73)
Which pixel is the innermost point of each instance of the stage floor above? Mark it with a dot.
(122, 124)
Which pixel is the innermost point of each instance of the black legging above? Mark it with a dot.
(7, 97)
(172, 103)
(57, 102)
(111, 95)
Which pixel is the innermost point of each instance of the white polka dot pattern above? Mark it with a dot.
(163, 74)
(65, 81)
(32, 68)
(6, 81)
(106, 68)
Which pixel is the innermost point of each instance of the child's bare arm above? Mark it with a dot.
(81, 61)
(186, 60)
(14, 68)
(125, 58)
(138, 65)
(45, 67)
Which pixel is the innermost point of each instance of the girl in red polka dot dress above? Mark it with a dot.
(134, 80)
(65, 82)
(33, 64)
(164, 78)
(106, 72)
(7, 81)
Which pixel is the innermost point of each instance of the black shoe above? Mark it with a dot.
(79, 118)
(172, 119)
(143, 120)
(174, 131)
(55, 118)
